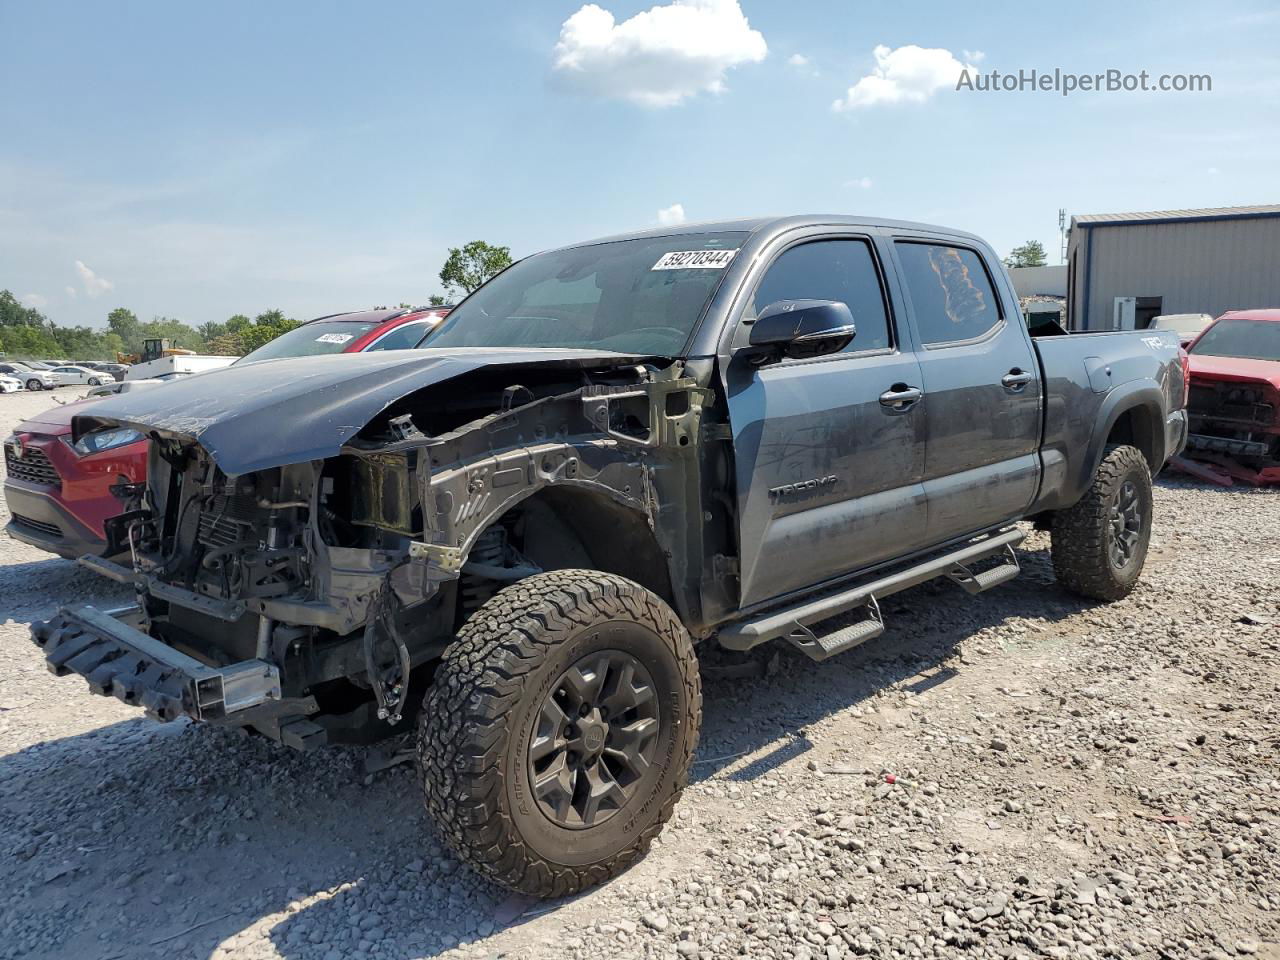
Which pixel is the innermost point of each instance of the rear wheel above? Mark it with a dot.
(1100, 544)
(558, 731)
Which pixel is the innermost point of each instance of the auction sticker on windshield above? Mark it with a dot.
(694, 260)
(334, 337)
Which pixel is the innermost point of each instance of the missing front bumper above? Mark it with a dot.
(120, 660)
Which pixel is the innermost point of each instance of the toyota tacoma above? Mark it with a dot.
(516, 540)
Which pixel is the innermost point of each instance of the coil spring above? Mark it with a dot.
(489, 549)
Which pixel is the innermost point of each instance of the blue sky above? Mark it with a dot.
(199, 160)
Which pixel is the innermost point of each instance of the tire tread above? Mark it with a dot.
(464, 725)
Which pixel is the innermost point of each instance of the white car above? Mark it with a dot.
(70, 374)
(9, 384)
(1186, 325)
(33, 378)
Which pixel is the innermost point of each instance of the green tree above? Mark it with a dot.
(266, 327)
(27, 341)
(211, 330)
(436, 300)
(271, 318)
(124, 324)
(1030, 254)
(237, 323)
(470, 266)
(12, 312)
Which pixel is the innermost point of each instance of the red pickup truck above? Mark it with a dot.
(59, 492)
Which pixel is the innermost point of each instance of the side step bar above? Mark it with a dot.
(794, 622)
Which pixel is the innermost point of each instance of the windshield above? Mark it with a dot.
(640, 296)
(1250, 339)
(310, 339)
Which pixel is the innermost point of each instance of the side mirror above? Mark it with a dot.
(803, 328)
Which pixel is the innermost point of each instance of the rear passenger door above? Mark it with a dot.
(982, 388)
(829, 451)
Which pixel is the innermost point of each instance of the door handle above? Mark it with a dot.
(900, 396)
(1015, 380)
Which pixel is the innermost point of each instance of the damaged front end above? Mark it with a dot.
(1235, 428)
(302, 554)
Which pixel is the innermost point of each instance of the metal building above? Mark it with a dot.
(1126, 268)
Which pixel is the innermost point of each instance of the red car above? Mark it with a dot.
(352, 333)
(59, 493)
(1234, 403)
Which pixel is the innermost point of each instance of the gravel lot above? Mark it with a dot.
(1019, 774)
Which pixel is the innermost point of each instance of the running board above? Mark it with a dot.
(827, 645)
(991, 577)
(794, 622)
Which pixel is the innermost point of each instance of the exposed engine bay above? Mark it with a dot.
(348, 574)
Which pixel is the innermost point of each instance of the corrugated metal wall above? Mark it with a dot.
(1196, 267)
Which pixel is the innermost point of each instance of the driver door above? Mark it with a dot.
(830, 450)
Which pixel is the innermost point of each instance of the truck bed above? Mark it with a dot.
(1088, 377)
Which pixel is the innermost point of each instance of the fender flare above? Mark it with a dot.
(1137, 395)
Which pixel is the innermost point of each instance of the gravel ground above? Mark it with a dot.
(1019, 774)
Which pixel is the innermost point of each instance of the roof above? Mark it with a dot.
(1266, 313)
(756, 225)
(361, 316)
(1189, 214)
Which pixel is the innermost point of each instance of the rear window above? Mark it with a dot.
(1239, 337)
(311, 340)
(950, 292)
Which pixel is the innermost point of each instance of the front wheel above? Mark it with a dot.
(1100, 544)
(559, 729)
(34, 384)
(95, 382)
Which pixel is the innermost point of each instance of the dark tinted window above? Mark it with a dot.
(642, 296)
(1241, 337)
(841, 270)
(401, 338)
(950, 292)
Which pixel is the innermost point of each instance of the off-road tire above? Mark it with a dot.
(483, 707)
(1081, 547)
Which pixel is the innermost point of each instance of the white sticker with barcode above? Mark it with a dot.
(334, 337)
(694, 260)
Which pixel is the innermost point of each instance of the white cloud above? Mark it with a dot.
(862, 183)
(35, 300)
(907, 74)
(94, 285)
(798, 60)
(670, 216)
(71, 291)
(659, 57)
(973, 56)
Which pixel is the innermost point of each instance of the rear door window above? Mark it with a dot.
(841, 270)
(951, 293)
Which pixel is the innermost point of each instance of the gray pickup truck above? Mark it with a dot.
(612, 454)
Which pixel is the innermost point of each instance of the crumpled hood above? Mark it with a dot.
(1235, 368)
(258, 415)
